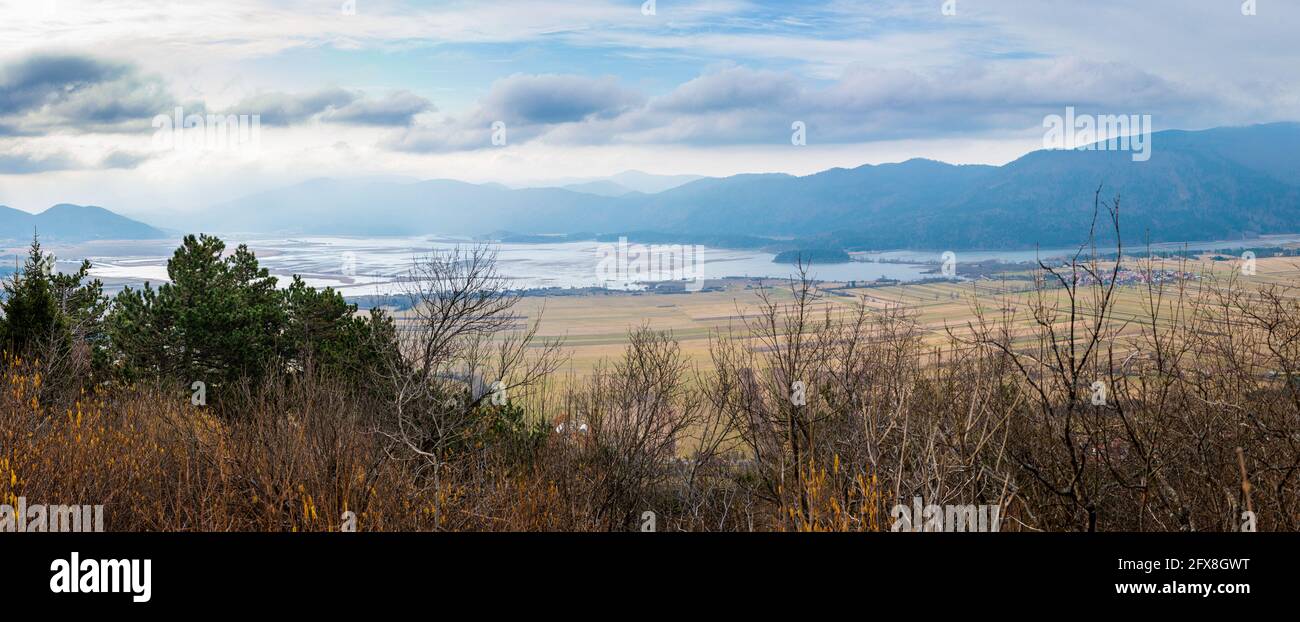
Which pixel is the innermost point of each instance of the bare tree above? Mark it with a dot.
(462, 346)
(624, 426)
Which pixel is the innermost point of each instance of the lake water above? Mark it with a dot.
(374, 266)
(362, 266)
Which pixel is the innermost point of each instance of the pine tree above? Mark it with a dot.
(222, 319)
(44, 310)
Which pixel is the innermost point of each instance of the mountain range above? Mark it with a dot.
(1221, 183)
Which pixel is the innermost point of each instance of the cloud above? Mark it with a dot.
(529, 105)
(27, 164)
(33, 82)
(731, 89)
(710, 84)
(123, 160)
(551, 99)
(449, 135)
(18, 163)
(737, 105)
(334, 105)
(71, 92)
(287, 109)
(396, 109)
(243, 29)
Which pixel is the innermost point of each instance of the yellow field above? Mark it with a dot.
(595, 326)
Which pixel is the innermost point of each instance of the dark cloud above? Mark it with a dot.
(44, 93)
(43, 79)
(739, 105)
(529, 105)
(550, 99)
(70, 92)
(866, 103)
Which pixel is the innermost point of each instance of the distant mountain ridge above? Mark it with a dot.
(623, 183)
(1222, 183)
(334, 206)
(604, 188)
(73, 223)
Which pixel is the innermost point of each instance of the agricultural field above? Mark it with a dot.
(595, 327)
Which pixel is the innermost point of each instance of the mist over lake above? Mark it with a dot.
(366, 266)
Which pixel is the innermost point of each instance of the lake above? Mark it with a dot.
(364, 266)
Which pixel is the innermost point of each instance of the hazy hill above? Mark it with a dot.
(1221, 183)
(783, 205)
(1212, 184)
(434, 206)
(626, 182)
(647, 183)
(72, 223)
(603, 187)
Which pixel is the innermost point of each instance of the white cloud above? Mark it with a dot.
(706, 84)
(740, 105)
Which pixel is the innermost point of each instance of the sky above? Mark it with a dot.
(527, 92)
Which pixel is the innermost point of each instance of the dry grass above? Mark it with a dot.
(595, 328)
